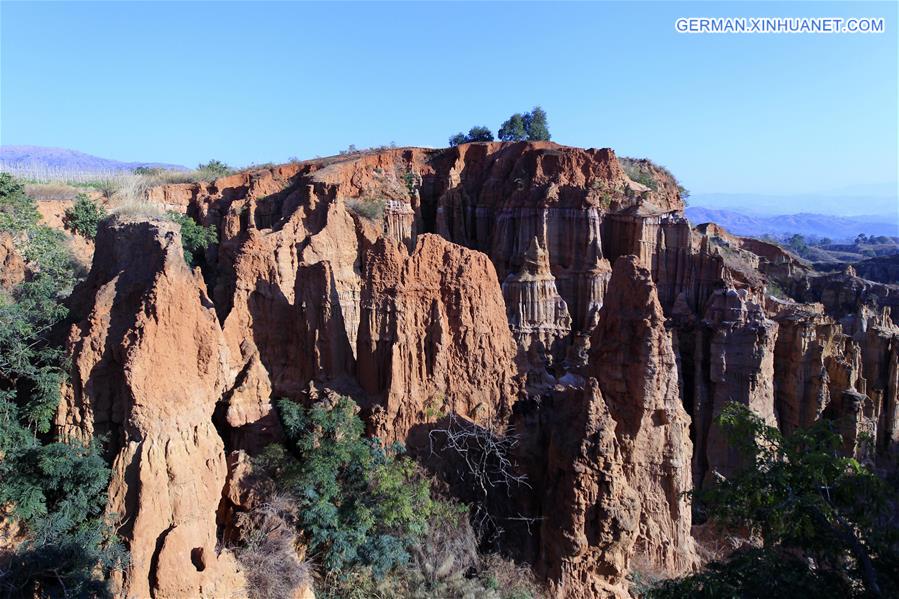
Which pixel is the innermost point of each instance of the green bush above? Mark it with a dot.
(361, 505)
(194, 238)
(18, 212)
(84, 216)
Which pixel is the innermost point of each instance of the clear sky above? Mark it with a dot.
(254, 82)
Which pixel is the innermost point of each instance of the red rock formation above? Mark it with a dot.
(433, 337)
(149, 363)
(538, 316)
(632, 358)
(591, 514)
(313, 294)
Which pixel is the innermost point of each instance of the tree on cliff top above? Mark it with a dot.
(476, 133)
(530, 126)
(827, 524)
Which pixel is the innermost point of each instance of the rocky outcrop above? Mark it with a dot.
(149, 363)
(433, 337)
(633, 360)
(591, 513)
(845, 371)
(736, 358)
(538, 316)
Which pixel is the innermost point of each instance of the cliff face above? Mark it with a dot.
(149, 363)
(474, 280)
(433, 337)
(634, 362)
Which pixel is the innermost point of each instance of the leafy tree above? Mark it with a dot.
(215, 168)
(458, 139)
(480, 133)
(55, 490)
(194, 238)
(536, 126)
(825, 521)
(477, 133)
(513, 129)
(530, 126)
(361, 504)
(84, 216)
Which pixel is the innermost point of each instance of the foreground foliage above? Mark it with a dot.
(826, 524)
(361, 504)
(52, 493)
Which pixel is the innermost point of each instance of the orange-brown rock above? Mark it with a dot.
(591, 514)
(149, 363)
(12, 267)
(433, 337)
(633, 360)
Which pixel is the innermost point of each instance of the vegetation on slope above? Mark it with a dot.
(373, 522)
(52, 490)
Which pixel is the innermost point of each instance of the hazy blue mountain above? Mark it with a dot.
(876, 199)
(37, 158)
(837, 228)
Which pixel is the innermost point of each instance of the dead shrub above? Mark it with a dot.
(269, 555)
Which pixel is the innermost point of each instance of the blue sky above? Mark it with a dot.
(254, 82)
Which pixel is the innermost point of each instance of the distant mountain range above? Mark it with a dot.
(837, 228)
(880, 198)
(25, 160)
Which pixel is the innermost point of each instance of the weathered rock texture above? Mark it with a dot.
(591, 513)
(433, 337)
(734, 353)
(634, 362)
(149, 363)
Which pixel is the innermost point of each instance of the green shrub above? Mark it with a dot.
(147, 170)
(360, 504)
(194, 238)
(641, 176)
(84, 216)
(476, 133)
(18, 212)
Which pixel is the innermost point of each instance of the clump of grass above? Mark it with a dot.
(370, 209)
(133, 208)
